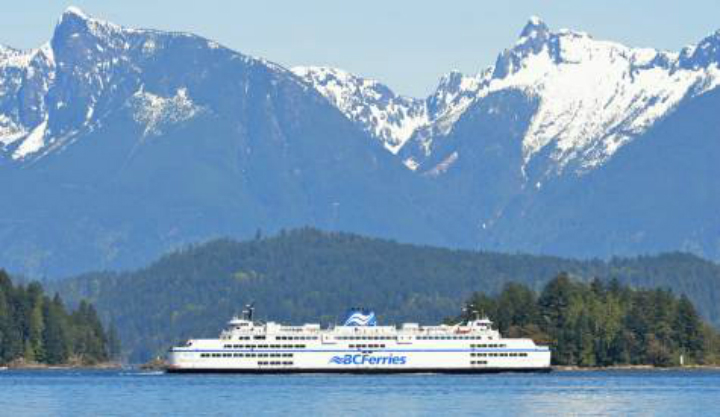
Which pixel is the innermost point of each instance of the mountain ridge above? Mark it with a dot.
(119, 144)
(538, 49)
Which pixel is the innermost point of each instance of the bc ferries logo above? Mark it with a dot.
(368, 360)
(361, 318)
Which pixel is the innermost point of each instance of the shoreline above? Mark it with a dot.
(156, 366)
(60, 367)
(567, 368)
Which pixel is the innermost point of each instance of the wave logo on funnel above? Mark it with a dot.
(361, 318)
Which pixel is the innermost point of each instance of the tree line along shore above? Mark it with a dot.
(604, 324)
(588, 325)
(37, 331)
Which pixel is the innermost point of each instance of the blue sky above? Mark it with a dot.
(405, 44)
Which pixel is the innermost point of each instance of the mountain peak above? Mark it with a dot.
(73, 10)
(71, 21)
(73, 13)
(535, 27)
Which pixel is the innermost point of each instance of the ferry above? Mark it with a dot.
(360, 345)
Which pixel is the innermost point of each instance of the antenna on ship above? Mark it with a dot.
(249, 311)
(471, 309)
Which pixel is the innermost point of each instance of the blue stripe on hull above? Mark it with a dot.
(354, 370)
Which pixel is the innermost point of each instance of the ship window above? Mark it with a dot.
(259, 337)
(203, 355)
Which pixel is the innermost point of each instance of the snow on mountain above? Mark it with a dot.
(154, 112)
(389, 117)
(25, 76)
(594, 96)
(51, 95)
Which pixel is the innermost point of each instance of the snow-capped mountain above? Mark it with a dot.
(593, 96)
(118, 144)
(389, 117)
(52, 95)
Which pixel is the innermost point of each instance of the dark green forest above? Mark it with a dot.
(603, 323)
(37, 329)
(309, 275)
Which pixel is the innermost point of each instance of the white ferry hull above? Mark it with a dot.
(359, 348)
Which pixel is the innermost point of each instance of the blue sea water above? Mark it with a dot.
(136, 393)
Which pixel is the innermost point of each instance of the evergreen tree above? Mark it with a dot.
(600, 325)
(34, 328)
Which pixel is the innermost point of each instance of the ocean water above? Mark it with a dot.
(136, 393)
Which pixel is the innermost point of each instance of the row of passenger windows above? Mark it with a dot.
(478, 362)
(366, 338)
(449, 338)
(280, 338)
(274, 363)
(246, 355)
(491, 345)
(366, 346)
(500, 354)
(263, 346)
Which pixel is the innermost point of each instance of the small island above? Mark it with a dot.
(39, 332)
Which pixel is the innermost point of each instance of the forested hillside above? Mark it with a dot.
(603, 324)
(35, 329)
(308, 275)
